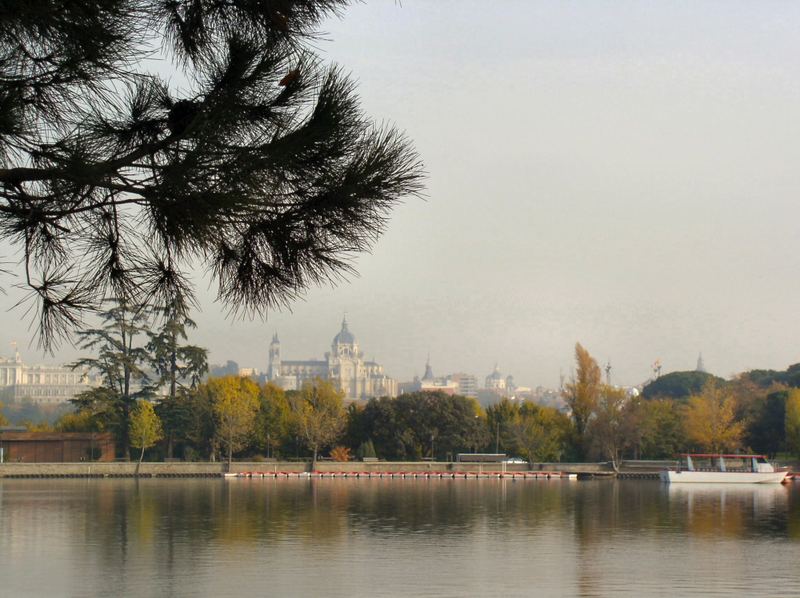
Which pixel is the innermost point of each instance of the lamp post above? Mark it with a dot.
(433, 457)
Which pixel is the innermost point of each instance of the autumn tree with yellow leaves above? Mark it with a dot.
(711, 422)
(144, 428)
(319, 415)
(234, 404)
(583, 392)
(792, 422)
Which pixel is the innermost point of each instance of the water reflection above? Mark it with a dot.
(187, 537)
(732, 510)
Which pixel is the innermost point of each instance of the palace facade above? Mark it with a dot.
(44, 384)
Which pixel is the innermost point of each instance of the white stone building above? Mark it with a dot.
(344, 365)
(44, 384)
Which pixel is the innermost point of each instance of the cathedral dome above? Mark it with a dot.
(496, 380)
(495, 375)
(345, 337)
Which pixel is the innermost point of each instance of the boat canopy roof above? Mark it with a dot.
(716, 455)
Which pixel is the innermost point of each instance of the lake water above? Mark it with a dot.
(395, 537)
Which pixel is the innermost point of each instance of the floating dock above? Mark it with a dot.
(422, 475)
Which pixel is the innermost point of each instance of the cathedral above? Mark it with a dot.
(344, 366)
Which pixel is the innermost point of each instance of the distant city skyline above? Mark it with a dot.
(619, 175)
(262, 363)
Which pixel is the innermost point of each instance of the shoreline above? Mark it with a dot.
(323, 469)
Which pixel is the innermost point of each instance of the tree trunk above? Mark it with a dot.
(173, 370)
(314, 460)
(126, 441)
(126, 412)
(139, 463)
(614, 460)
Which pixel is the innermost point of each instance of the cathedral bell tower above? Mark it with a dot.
(274, 369)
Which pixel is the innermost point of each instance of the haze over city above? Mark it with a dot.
(619, 175)
(526, 275)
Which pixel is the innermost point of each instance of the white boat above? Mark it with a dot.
(698, 468)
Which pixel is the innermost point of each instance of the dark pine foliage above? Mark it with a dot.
(417, 425)
(112, 183)
(678, 385)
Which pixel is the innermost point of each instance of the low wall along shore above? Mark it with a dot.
(186, 469)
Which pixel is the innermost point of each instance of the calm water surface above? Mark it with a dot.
(395, 537)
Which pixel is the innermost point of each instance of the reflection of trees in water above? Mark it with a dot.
(638, 507)
(452, 506)
(165, 522)
(392, 506)
(250, 511)
(733, 511)
(200, 512)
(607, 510)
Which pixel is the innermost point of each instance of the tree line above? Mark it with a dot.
(155, 395)
(684, 412)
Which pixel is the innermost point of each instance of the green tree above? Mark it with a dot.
(678, 385)
(541, 432)
(366, 450)
(3, 420)
(711, 419)
(319, 415)
(79, 421)
(379, 422)
(178, 366)
(793, 422)
(583, 392)
(274, 419)
(609, 431)
(115, 182)
(456, 423)
(502, 422)
(196, 423)
(234, 403)
(769, 378)
(120, 361)
(181, 418)
(145, 428)
(416, 425)
(662, 432)
(766, 424)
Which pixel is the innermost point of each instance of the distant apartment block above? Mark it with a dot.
(43, 384)
(453, 384)
(467, 384)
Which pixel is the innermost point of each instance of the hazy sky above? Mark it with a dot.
(623, 174)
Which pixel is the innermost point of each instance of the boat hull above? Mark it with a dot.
(723, 477)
